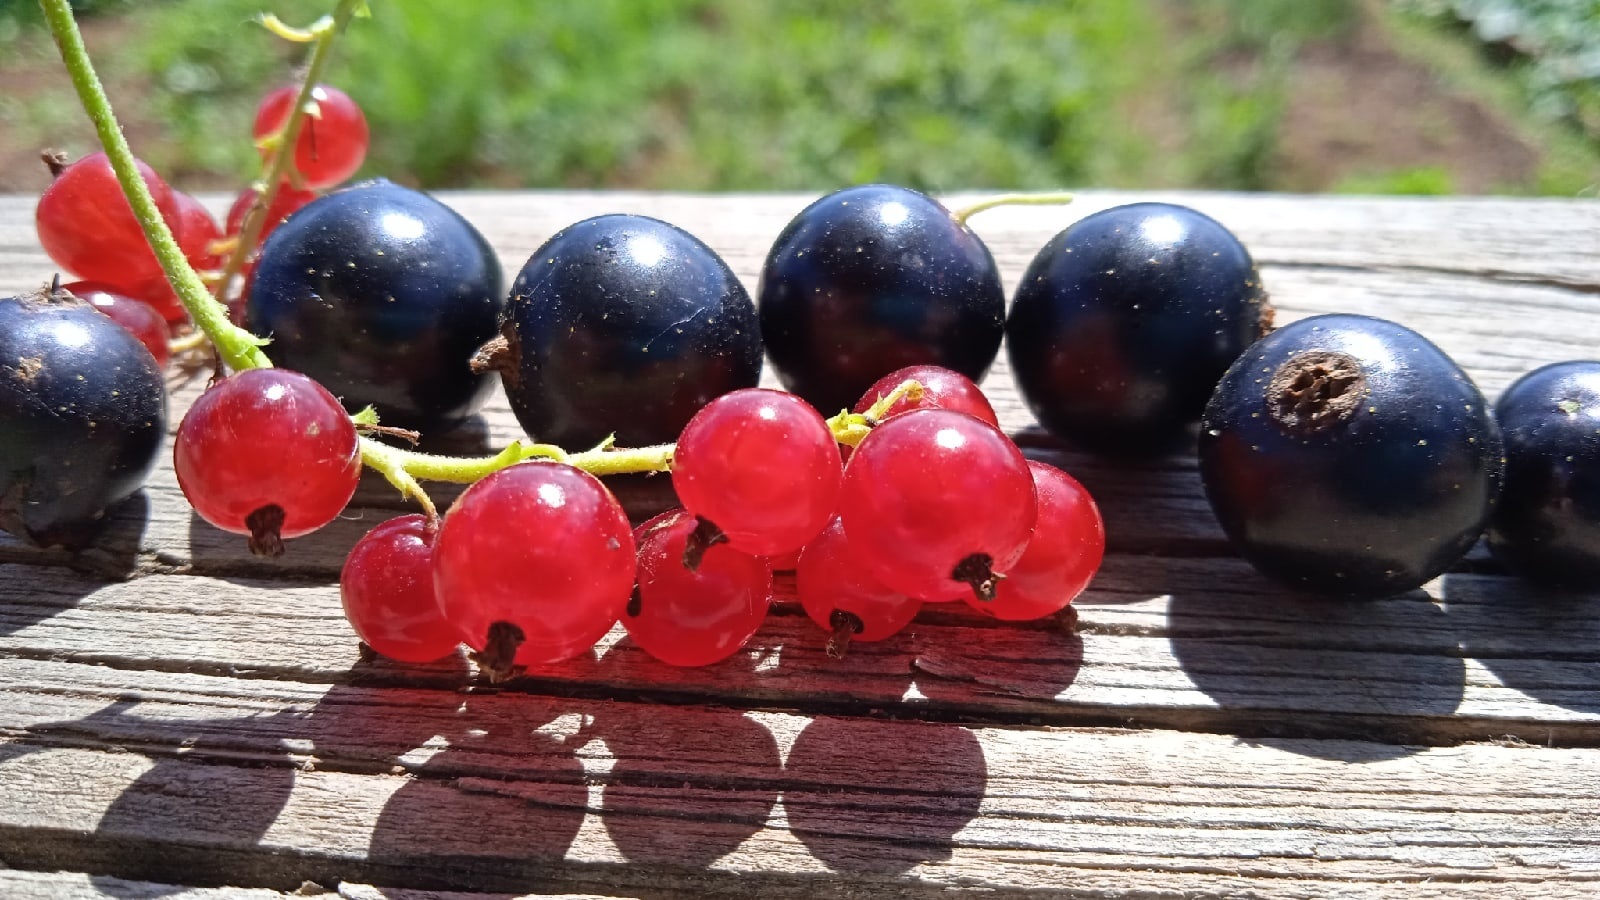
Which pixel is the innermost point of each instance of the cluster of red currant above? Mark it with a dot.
(536, 562)
(87, 228)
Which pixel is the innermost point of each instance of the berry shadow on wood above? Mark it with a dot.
(1278, 664)
(688, 790)
(874, 797)
(1540, 641)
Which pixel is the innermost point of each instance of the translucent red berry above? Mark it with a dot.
(86, 225)
(139, 318)
(1068, 543)
(843, 597)
(333, 139)
(693, 617)
(267, 453)
(941, 389)
(762, 466)
(534, 564)
(285, 201)
(386, 587)
(938, 503)
(195, 231)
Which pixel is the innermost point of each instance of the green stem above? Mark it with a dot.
(279, 166)
(850, 428)
(239, 348)
(1048, 199)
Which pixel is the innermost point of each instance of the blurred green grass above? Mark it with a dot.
(743, 94)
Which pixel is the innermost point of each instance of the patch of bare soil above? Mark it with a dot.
(1355, 107)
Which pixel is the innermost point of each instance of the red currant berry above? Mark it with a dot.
(839, 594)
(87, 226)
(693, 617)
(534, 564)
(158, 294)
(268, 453)
(762, 466)
(333, 139)
(1068, 543)
(386, 587)
(938, 503)
(195, 231)
(142, 321)
(941, 389)
(285, 201)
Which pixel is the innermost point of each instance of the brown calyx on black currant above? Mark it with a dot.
(501, 353)
(705, 536)
(1315, 390)
(266, 528)
(845, 625)
(978, 571)
(497, 658)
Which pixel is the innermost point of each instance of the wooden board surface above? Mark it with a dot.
(181, 719)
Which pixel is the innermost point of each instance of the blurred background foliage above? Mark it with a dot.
(1403, 96)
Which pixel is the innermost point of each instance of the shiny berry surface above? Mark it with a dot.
(871, 279)
(267, 453)
(386, 587)
(936, 501)
(88, 228)
(762, 466)
(842, 596)
(628, 325)
(941, 389)
(1068, 543)
(333, 139)
(693, 618)
(539, 556)
(83, 411)
(1124, 322)
(1347, 455)
(1547, 524)
(382, 294)
(139, 318)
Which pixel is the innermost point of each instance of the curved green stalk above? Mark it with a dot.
(1048, 199)
(239, 348)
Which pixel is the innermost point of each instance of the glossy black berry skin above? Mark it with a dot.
(871, 279)
(83, 409)
(1123, 323)
(1547, 524)
(382, 294)
(1346, 455)
(624, 325)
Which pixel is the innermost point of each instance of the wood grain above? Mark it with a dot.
(181, 719)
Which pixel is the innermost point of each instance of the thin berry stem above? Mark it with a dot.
(280, 144)
(1047, 199)
(239, 348)
(850, 428)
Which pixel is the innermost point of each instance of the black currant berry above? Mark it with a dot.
(83, 408)
(623, 325)
(872, 279)
(1347, 455)
(1547, 524)
(1123, 323)
(382, 294)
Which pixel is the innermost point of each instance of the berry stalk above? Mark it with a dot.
(238, 348)
(1048, 199)
(281, 144)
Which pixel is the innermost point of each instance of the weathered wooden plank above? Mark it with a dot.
(1199, 643)
(581, 791)
(18, 885)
